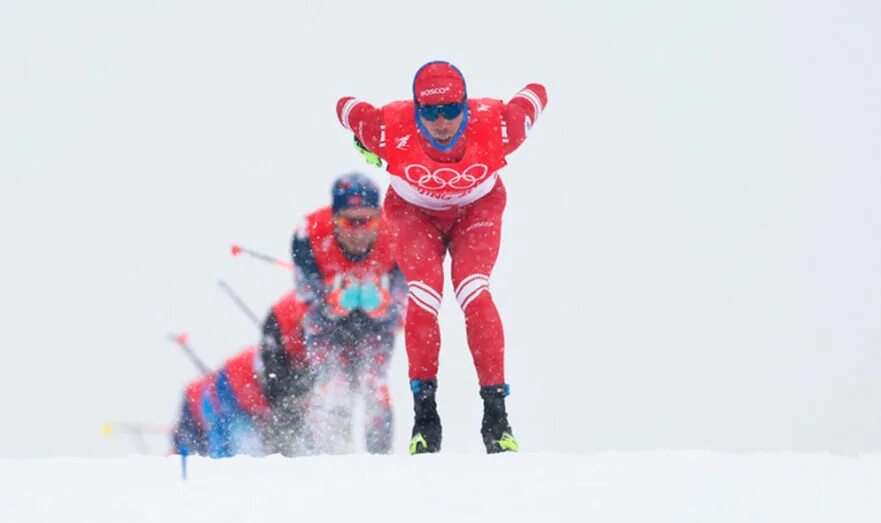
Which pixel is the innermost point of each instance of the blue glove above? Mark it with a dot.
(344, 298)
(370, 297)
(351, 297)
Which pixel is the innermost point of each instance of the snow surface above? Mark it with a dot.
(660, 486)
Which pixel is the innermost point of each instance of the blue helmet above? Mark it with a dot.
(354, 190)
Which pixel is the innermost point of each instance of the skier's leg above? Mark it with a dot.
(474, 248)
(495, 429)
(378, 418)
(314, 435)
(216, 438)
(229, 414)
(419, 251)
(331, 411)
(283, 429)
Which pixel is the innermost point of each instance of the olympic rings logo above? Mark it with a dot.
(446, 177)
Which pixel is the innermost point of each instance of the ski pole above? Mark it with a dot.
(236, 250)
(239, 302)
(108, 429)
(183, 464)
(181, 340)
(136, 432)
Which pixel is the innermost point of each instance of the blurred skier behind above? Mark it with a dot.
(444, 152)
(264, 400)
(355, 297)
(254, 403)
(222, 412)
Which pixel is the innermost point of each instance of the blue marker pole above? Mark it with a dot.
(183, 464)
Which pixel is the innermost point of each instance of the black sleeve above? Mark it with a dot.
(399, 292)
(309, 282)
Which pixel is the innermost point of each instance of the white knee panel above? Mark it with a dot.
(470, 288)
(424, 297)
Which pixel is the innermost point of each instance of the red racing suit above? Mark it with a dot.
(441, 201)
(357, 342)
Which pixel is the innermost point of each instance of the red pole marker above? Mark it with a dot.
(236, 250)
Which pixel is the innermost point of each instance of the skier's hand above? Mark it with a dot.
(375, 300)
(371, 158)
(344, 298)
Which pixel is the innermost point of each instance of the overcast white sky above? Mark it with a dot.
(691, 253)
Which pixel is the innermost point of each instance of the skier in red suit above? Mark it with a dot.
(355, 294)
(444, 152)
(253, 403)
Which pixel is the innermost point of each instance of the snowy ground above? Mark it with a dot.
(642, 487)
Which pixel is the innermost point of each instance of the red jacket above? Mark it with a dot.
(382, 131)
(322, 268)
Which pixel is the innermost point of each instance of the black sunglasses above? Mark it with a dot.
(448, 111)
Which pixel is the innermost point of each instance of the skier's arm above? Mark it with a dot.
(385, 303)
(365, 121)
(398, 290)
(328, 299)
(282, 376)
(308, 281)
(522, 112)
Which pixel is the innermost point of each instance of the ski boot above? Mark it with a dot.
(495, 429)
(426, 425)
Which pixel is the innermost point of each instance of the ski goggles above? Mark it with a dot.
(448, 111)
(347, 222)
